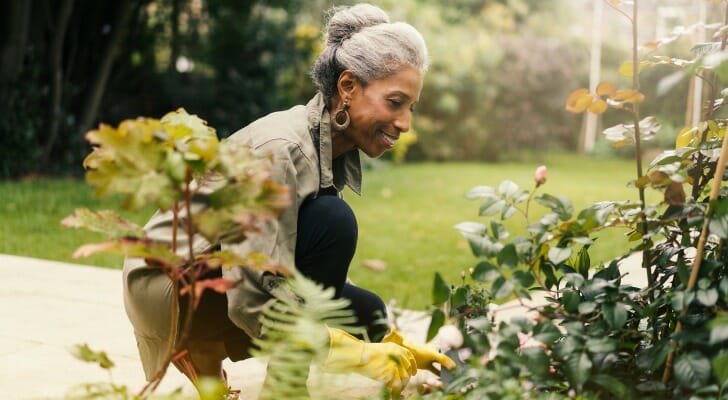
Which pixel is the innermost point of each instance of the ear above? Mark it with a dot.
(347, 84)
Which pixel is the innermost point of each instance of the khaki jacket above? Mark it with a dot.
(299, 139)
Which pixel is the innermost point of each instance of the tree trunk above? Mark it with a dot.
(174, 40)
(56, 61)
(13, 50)
(96, 93)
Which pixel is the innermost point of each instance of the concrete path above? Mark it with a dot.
(47, 307)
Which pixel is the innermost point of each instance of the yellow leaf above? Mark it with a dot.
(606, 88)
(579, 100)
(627, 68)
(637, 98)
(685, 137)
(598, 107)
(622, 95)
(620, 143)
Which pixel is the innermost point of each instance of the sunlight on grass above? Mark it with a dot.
(406, 217)
(32, 211)
(407, 213)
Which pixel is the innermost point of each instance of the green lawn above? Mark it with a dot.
(406, 217)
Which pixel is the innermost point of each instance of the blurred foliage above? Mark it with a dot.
(500, 70)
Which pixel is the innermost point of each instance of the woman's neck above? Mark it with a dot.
(340, 144)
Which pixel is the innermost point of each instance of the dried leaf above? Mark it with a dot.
(219, 285)
(377, 265)
(155, 253)
(675, 194)
(107, 222)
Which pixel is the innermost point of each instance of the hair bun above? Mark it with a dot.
(346, 21)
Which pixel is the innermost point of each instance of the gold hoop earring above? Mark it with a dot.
(341, 117)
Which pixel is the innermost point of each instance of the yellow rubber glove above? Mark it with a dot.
(389, 363)
(425, 355)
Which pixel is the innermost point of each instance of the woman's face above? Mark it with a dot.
(382, 110)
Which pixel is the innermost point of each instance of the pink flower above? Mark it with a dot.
(540, 175)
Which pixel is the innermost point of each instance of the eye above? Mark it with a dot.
(395, 103)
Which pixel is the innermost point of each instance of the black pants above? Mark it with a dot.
(325, 244)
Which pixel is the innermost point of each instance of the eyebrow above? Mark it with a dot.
(403, 94)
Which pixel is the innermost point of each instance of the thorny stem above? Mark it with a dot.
(697, 261)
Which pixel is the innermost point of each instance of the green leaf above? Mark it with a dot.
(460, 297)
(482, 246)
(491, 206)
(615, 314)
(677, 300)
(568, 347)
(107, 222)
(583, 262)
(612, 385)
(474, 228)
(719, 226)
(508, 211)
(692, 370)
(485, 272)
(578, 368)
(440, 290)
(601, 345)
(502, 288)
(480, 191)
(719, 329)
(508, 257)
(707, 297)
(436, 322)
(546, 332)
(84, 353)
(570, 299)
(557, 255)
(498, 231)
(558, 204)
(720, 367)
(587, 307)
(523, 278)
(508, 189)
(537, 361)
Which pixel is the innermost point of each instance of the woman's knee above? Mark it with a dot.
(332, 212)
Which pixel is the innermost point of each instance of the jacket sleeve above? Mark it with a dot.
(276, 239)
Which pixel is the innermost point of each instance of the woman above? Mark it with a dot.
(369, 79)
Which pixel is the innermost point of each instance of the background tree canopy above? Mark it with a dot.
(500, 72)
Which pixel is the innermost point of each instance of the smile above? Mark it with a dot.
(388, 139)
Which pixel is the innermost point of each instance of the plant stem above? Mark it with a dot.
(177, 341)
(714, 191)
(638, 148)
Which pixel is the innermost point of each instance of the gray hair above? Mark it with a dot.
(361, 39)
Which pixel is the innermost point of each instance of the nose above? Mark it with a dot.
(402, 123)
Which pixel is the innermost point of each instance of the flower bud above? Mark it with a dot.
(540, 175)
(449, 337)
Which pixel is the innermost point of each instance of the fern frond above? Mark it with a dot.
(295, 335)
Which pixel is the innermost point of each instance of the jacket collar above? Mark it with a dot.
(346, 169)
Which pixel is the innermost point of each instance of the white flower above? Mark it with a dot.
(449, 337)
